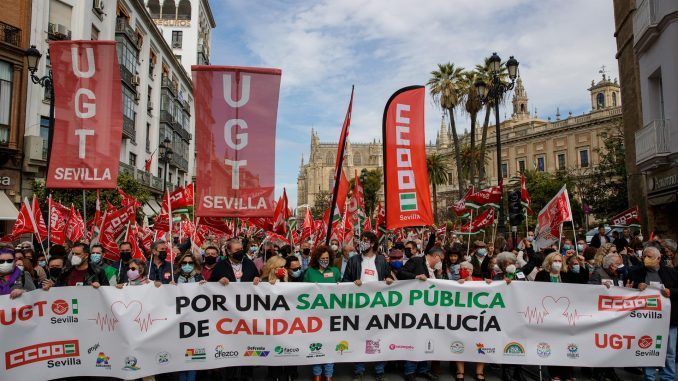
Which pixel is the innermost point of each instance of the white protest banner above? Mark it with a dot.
(144, 330)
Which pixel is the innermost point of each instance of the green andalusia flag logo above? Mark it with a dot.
(408, 202)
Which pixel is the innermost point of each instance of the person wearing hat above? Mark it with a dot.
(480, 260)
(395, 262)
(13, 280)
(427, 267)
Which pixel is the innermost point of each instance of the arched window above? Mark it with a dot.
(154, 8)
(614, 99)
(184, 10)
(522, 107)
(169, 10)
(357, 159)
(329, 159)
(600, 100)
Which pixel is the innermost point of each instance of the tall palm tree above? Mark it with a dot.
(437, 175)
(472, 106)
(485, 73)
(445, 86)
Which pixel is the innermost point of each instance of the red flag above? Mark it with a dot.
(262, 223)
(114, 224)
(216, 224)
(485, 219)
(489, 196)
(627, 217)
(127, 199)
(460, 206)
(406, 187)
(146, 236)
(38, 221)
(133, 239)
(280, 215)
(58, 221)
(381, 216)
(75, 231)
(88, 121)
(367, 226)
(524, 194)
(551, 218)
(147, 163)
(180, 198)
(307, 229)
(236, 126)
(23, 223)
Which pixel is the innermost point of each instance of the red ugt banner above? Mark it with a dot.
(408, 200)
(87, 115)
(236, 129)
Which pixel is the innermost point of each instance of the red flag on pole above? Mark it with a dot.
(133, 239)
(550, 219)
(58, 221)
(37, 220)
(484, 219)
(307, 229)
(236, 127)
(459, 207)
(127, 199)
(406, 187)
(88, 121)
(75, 231)
(112, 227)
(23, 223)
(627, 217)
(280, 215)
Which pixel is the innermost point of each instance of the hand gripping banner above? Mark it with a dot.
(235, 130)
(138, 331)
(408, 200)
(88, 118)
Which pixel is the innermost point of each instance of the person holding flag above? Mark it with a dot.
(81, 272)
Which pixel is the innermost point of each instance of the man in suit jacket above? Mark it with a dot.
(427, 267)
(237, 267)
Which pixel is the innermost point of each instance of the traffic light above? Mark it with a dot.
(515, 208)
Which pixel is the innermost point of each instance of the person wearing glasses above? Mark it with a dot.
(137, 274)
(13, 280)
(188, 270)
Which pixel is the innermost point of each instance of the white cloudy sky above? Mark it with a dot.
(323, 47)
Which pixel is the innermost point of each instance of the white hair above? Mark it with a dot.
(609, 259)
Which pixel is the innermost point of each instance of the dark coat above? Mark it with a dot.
(354, 268)
(224, 269)
(669, 278)
(414, 266)
(94, 274)
(162, 273)
(595, 241)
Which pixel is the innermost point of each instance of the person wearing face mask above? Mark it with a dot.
(611, 272)
(654, 273)
(341, 260)
(210, 261)
(576, 272)
(30, 266)
(395, 261)
(293, 267)
(188, 269)
(526, 243)
(237, 267)
(480, 261)
(505, 268)
(82, 272)
(160, 268)
(136, 274)
(305, 255)
(334, 245)
(96, 258)
(411, 250)
(429, 266)
(451, 263)
(13, 281)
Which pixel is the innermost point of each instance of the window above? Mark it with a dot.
(151, 64)
(504, 169)
(5, 100)
(127, 54)
(44, 134)
(59, 27)
(329, 159)
(95, 33)
(561, 161)
(357, 159)
(449, 178)
(177, 36)
(169, 10)
(584, 158)
(154, 8)
(521, 166)
(178, 57)
(128, 104)
(600, 100)
(148, 97)
(184, 10)
(614, 99)
(133, 160)
(540, 164)
(148, 137)
(160, 172)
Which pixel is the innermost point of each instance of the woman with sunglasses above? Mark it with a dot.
(13, 280)
(137, 274)
(188, 269)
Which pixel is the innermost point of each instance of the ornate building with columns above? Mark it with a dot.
(568, 142)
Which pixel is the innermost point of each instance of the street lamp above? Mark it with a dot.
(165, 157)
(493, 92)
(33, 57)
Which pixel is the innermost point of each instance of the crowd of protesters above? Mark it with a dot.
(624, 260)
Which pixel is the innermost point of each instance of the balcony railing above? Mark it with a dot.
(128, 128)
(143, 177)
(10, 34)
(122, 26)
(166, 82)
(126, 75)
(653, 140)
(180, 162)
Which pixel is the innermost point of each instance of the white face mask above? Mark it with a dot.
(6, 268)
(438, 266)
(639, 253)
(334, 248)
(640, 237)
(556, 266)
(76, 260)
(530, 238)
(20, 267)
(511, 269)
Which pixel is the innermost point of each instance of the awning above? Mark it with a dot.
(8, 211)
(151, 208)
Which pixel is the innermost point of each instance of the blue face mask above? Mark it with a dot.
(580, 247)
(481, 252)
(187, 268)
(42, 263)
(396, 265)
(351, 254)
(567, 247)
(575, 269)
(296, 273)
(95, 257)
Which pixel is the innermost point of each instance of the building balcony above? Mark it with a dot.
(58, 32)
(649, 14)
(127, 76)
(168, 84)
(143, 177)
(653, 144)
(180, 162)
(123, 27)
(128, 130)
(10, 34)
(167, 117)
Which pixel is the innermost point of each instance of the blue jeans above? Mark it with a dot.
(418, 367)
(187, 375)
(359, 367)
(668, 372)
(326, 370)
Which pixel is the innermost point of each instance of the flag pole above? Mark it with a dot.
(84, 205)
(574, 234)
(468, 244)
(49, 218)
(171, 242)
(35, 227)
(560, 237)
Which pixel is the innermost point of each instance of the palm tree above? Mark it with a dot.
(437, 175)
(485, 73)
(445, 86)
(472, 106)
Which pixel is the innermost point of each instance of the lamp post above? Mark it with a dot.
(165, 157)
(33, 57)
(493, 92)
